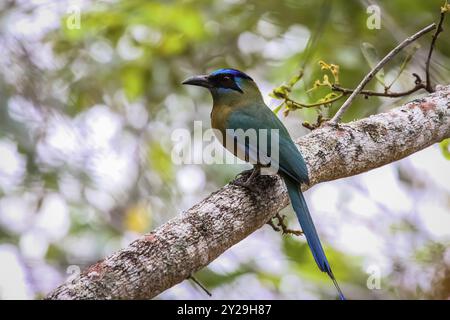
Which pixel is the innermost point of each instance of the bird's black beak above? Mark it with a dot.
(202, 81)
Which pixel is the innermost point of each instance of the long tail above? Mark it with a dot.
(301, 209)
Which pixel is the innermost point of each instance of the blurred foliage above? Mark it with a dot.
(137, 218)
(125, 64)
(344, 267)
(216, 279)
(445, 147)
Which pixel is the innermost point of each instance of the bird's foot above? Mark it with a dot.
(245, 185)
(272, 224)
(244, 173)
(281, 226)
(248, 184)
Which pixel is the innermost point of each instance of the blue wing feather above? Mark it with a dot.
(290, 160)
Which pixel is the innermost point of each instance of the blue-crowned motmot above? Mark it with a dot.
(238, 104)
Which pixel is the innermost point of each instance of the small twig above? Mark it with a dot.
(200, 285)
(318, 124)
(439, 29)
(299, 105)
(369, 93)
(337, 117)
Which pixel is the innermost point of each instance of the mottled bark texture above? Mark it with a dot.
(189, 242)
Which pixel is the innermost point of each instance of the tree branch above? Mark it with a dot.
(337, 117)
(189, 242)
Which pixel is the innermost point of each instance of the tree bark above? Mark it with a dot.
(189, 242)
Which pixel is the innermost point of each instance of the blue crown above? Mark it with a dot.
(234, 72)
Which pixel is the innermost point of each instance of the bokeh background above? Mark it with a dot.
(86, 116)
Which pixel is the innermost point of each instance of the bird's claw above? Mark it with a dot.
(243, 173)
(281, 226)
(247, 183)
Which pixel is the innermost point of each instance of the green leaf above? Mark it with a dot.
(277, 109)
(281, 92)
(371, 55)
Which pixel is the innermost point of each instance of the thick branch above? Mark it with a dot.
(189, 242)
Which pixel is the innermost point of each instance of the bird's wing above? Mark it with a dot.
(289, 160)
(292, 168)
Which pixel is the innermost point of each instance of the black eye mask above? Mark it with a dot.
(226, 81)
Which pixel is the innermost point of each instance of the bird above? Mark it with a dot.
(239, 104)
